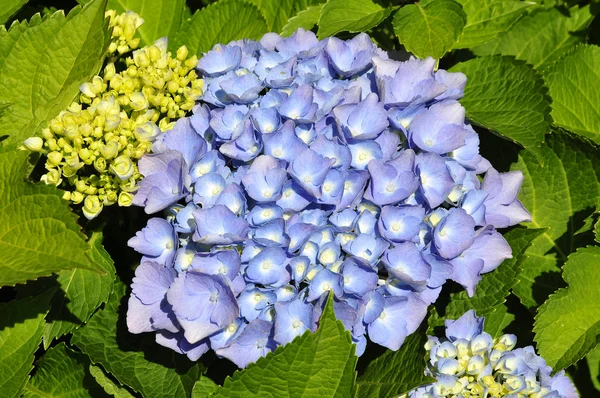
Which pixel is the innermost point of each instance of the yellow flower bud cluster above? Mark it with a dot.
(123, 27)
(95, 144)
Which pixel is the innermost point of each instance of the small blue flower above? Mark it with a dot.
(255, 341)
(157, 242)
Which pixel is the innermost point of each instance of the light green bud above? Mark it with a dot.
(147, 131)
(138, 101)
(91, 207)
(122, 167)
(109, 150)
(34, 144)
(100, 165)
(182, 53)
(54, 158)
(76, 197)
(52, 177)
(125, 199)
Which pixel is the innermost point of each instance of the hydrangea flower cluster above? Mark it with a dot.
(470, 363)
(313, 168)
(95, 144)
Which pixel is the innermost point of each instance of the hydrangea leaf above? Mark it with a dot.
(82, 292)
(44, 61)
(110, 387)
(204, 387)
(396, 372)
(494, 286)
(21, 328)
(155, 372)
(554, 194)
(541, 36)
(161, 17)
(305, 19)
(221, 22)
(62, 372)
(497, 321)
(39, 235)
(487, 18)
(9, 8)
(593, 362)
(567, 325)
(314, 364)
(507, 97)
(278, 12)
(597, 231)
(573, 81)
(431, 29)
(350, 16)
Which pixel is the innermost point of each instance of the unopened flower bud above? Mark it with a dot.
(34, 144)
(122, 167)
(91, 207)
(125, 199)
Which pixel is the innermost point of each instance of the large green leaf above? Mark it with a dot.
(161, 17)
(305, 19)
(82, 291)
(109, 386)
(39, 235)
(573, 82)
(350, 16)
(593, 362)
(204, 387)
(44, 61)
(62, 372)
(21, 327)
(320, 364)
(487, 18)
(542, 36)
(429, 30)
(567, 325)
(135, 360)
(278, 12)
(557, 195)
(507, 97)
(221, 22)
(396, 372)
(9, 8)
(497, 321)
(494, 286)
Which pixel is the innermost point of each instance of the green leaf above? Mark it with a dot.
(593, 362)
(82, 292)
(507, 97)
(497, 321)
(429, 30)
(109, 386)
(396, 372)
(9, 8)
(62, 372)
(204, 387)
(350, 16)
(567, 325)
(21, 327)
(494, 286)
(161, 17)
(541, 36)
(555, 194)
(487, 18)
(278, 12)
(320, 364)
(44, 61)
(305, 19)
(39, 235)
(221, 22)
(597, 231)
(573, 82)
(134, 360)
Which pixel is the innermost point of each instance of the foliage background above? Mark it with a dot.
(533, 95)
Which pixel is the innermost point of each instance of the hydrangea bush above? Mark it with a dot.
(312, 167)
(239, 198)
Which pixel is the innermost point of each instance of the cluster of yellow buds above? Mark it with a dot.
(95, 144)
(123, 27)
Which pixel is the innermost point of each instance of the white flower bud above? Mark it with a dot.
(91, 207)
(34, 144)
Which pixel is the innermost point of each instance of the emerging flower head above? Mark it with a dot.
(316, 168)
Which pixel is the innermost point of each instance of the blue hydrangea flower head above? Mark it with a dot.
(471, 363)
(308, 169)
